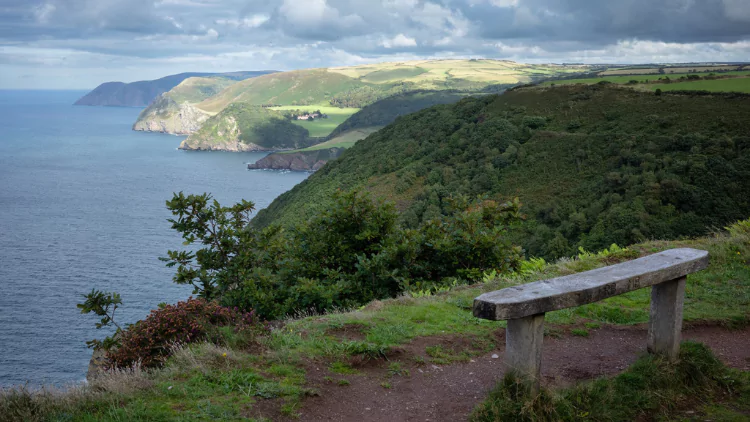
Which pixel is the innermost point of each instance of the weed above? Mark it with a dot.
(650, 387)
(343, 382)
(397, 369)
(342, 368)
(580, 332)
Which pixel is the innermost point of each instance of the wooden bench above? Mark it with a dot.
(524, 306)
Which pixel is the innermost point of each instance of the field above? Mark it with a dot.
(640, 78)
(431, 74)
(716, 85)
(345, 140)
(667, 70)
(320, 128)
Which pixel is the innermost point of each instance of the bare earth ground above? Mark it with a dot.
(449, 393)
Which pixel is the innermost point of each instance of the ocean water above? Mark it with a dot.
(82, 206)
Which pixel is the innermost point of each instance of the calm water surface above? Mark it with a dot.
(81, 207)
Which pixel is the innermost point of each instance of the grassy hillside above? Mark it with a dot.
(195, 90)
(593, 165)
(345, 89)
(142, 93)
(299, 87)
(246, 127)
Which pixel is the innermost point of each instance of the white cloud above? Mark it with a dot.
(399, 40)
(253, 21)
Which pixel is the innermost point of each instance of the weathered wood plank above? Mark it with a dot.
(590, 286)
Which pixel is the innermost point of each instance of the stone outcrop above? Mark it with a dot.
(166, 116)
(297, 161)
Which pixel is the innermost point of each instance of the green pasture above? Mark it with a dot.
(320, 128)
(640, 78)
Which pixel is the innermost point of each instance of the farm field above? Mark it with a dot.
(321, 127)
(640, 78)
(716, 85)
(345, 140)
(667, 70)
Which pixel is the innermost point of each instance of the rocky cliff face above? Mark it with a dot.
(297, 161)
(166, 116)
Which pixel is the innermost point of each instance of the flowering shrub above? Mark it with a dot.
(149, 341)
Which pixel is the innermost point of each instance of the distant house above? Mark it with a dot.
(311, 116)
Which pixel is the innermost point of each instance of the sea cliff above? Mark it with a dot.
(297, 160)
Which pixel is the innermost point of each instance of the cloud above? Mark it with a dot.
(399, 40)
(91, 41)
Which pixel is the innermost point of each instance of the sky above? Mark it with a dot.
(78, 44)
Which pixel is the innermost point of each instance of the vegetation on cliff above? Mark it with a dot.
(344, 257)
(593, 165)
(245, 127)
(390, 349)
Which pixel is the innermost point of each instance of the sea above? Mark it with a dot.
(82, 207)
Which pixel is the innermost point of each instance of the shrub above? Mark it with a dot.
(149, 341)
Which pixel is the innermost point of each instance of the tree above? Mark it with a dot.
(103, 304)
(225, 233)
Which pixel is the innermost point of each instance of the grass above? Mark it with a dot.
(345, 140)
(201, 383)
(716, 85)
(320, 128)
(640, 78)
(651, 388)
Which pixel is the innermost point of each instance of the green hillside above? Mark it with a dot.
(593, 165)
(195, 90)
(246, 127)
(344, 88)
(385, 111)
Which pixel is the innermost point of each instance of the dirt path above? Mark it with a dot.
(449, 393)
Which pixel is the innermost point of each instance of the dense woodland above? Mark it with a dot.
(385, 111)
(592, 165)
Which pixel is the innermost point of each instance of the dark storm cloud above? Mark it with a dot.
(603, 22)
(152, 36)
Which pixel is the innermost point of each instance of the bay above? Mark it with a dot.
(82, 206)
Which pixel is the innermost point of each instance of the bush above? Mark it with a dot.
(150, 341)
(345, 256)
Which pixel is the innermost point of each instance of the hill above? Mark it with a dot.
(246, 127)
(358, 126)
(593, 165)
(142, 93)
(350, 88)
(174, 111)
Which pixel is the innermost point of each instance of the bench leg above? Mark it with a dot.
(665, 319)
(523, 347)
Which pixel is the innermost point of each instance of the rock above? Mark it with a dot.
(97, 364)
(166, 116)
(297, 161)
(495, 356)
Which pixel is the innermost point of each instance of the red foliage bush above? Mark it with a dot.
(149, 341)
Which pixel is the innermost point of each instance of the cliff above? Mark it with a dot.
(297, 161)
(166, 115)
(244, 127)
(142, 93)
